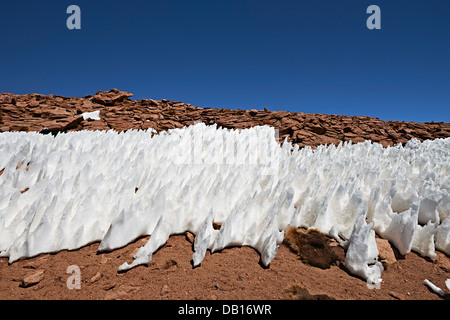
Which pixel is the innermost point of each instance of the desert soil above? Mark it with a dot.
(234, 273)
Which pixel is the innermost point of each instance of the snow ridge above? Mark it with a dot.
(67, 191)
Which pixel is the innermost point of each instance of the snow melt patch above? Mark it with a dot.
(82, 187)
(94, 115)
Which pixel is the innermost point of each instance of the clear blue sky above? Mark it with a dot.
(302, 56)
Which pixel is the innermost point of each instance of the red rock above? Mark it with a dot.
(111, 97)
(92, 125)
(150, 102)
(164, 290)
(348, 129)
(318, 129)
(398, 296)
(71, 123)
(32, 279)
(33, 103)
(176, 104)
(96, 277)
(386, 252)
(59, 113)
(21, 104)
(190, 237)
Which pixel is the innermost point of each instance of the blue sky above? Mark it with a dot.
(302, 56)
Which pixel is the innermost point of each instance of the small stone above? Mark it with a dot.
(103, 259)
(169, 264)
(217, 225)
(43, 258)
(111, 97)
(24, 190)
(109, 286)
(164, 290)
(123, 292)
(385, 252)
(397, 295)
(318, 129)
(348, 129)
(32, 279)
(97, 277)
(190, 237)
(31, 265)
(21, 104)
(33, 103)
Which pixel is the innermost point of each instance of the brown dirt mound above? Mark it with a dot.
(313, 247)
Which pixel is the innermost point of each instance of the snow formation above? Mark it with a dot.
(434, 288)
(94, 115)
(67, 191)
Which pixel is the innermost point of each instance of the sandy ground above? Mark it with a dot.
(233, 273)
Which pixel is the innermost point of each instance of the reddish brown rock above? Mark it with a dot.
(111, 97)
(386, 253)
(33, 103)
(96, 277)
(54, 127)
(318, 129)
(21, 104)
(32, 279)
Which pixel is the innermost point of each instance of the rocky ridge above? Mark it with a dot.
(35, 112)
